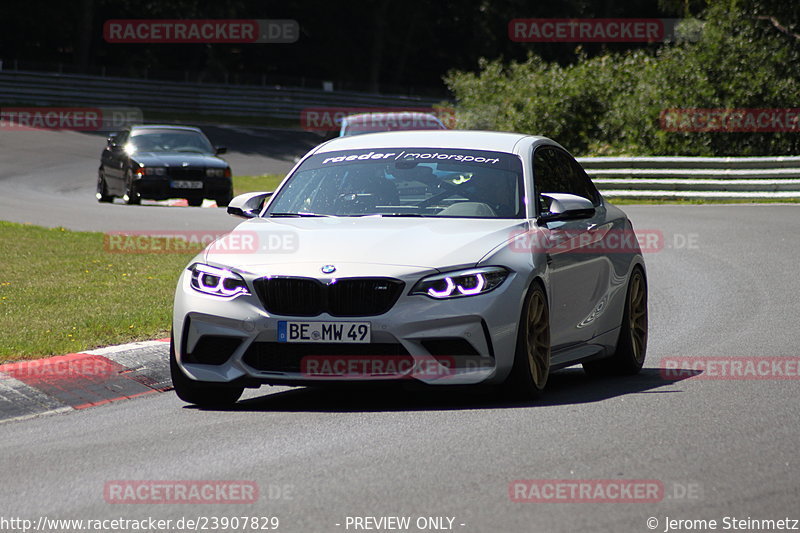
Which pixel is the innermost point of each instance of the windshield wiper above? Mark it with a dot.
(297, 215)
(402, 215)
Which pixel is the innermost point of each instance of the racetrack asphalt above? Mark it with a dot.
(722, 284)
(49, 178)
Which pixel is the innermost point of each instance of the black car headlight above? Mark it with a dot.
(217, 281)
(216, 172)
(461, 283)
(151, 171)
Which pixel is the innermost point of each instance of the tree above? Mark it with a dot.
(612, 104)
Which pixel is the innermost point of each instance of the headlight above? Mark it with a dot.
(215, 172)
(151, 171)
(461, 283)
(217, 281)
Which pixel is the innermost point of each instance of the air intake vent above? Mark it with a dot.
(347, 297)
(213, 350)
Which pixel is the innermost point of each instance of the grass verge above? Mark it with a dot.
(266, 182)
(62, 292)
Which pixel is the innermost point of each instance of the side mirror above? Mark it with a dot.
(112, 140)
(248, 205)
(566, 207)
(220, 150)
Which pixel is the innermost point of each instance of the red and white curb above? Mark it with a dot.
(80, 380)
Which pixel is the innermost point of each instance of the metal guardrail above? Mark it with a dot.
(50, 89)
(723, 178)
(677, 162)
(635, 177)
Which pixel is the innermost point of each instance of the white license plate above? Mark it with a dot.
(183, 184)
(344, 332)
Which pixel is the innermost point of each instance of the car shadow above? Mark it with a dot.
(566, 387)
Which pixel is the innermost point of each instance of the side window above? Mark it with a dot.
(122, 138)
(549, 175)
(579, 182)
(556, 171)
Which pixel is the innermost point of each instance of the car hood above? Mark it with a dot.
(422, 243)
(179, 159)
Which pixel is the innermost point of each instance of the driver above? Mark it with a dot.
(498, 192)
(146, 143)
(369, 180)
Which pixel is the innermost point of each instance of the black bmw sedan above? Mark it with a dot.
(160, 162)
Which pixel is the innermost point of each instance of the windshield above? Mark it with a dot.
(169, 141)
(378, 122)
(405, 182)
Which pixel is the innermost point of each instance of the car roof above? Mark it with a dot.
(363, 117)
(465, 139)
(164, 127)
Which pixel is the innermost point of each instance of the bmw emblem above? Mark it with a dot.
(328, 269)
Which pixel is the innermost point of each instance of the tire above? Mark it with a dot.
(195, 202)
(629, 356)
(202, 394)
(531, 368)
(223, 201)
(131, 196)
(102, 189)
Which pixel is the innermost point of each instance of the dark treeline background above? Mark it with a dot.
(378, 45)
(736, 55)
(594, 98)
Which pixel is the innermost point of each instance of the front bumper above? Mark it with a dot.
(160, 188)
(439, 342)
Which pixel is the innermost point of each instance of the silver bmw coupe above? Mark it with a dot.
(440, 257)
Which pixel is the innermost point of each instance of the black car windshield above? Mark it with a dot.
(169, 141)
(405, 182)
(378, 122)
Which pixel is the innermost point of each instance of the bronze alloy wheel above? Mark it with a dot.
(632, 342)
(538, 339)
(532, 358)
(637, 316)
